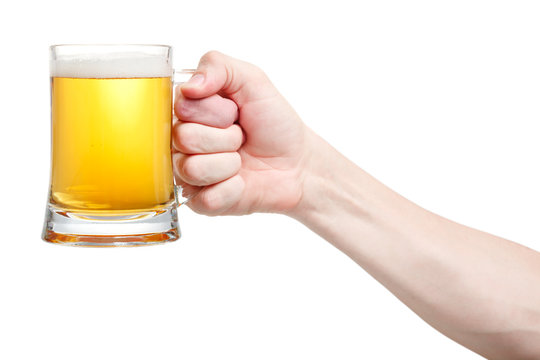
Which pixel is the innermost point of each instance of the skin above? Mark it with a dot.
(240, 148)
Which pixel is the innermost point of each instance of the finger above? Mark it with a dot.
(193, 138)
(236, 79)
(219, 198)
(207, 169)
(212, 111)
(187, 191)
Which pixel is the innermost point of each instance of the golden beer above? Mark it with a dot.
(111, 179)
(111, 144)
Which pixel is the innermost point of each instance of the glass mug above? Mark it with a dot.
(112, 181)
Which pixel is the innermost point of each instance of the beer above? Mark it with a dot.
(111, 144)
(112, 181)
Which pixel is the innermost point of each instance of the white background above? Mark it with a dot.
(437, 99)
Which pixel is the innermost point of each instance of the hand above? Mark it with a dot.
(242, 148)
(239, 146)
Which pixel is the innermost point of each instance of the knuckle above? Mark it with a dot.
(256, 72)
(191, 170)
(185, 108)
(188, 138)
(175, 135)
(211, 202)
(237, 162)
(211, 56)
(237, 136)
(230, 111)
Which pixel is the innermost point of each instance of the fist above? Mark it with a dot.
(239, 147)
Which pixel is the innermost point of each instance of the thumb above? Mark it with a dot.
(221, 74)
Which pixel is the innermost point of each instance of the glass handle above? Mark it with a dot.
(180, 77)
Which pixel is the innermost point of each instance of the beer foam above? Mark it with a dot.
(121, 65)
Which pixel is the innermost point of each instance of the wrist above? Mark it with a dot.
(329, 183)
(337, 195)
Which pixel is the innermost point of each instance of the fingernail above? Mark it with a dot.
(196, 80)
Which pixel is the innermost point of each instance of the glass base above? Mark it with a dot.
(94, 229)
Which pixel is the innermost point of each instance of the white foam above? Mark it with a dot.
(118, 65)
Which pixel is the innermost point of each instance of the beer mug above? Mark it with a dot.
(111, 180)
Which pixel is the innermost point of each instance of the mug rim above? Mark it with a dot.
(54, 46)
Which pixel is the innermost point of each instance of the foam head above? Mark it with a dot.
(111, 64)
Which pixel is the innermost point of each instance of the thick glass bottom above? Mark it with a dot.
(95, 229)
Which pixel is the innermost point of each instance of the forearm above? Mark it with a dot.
(478, 289)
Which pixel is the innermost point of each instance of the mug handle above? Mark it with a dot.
(180, 77)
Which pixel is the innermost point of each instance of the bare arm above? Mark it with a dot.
(478, 289)
(241, 148)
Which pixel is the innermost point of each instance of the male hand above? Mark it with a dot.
(239, 146)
